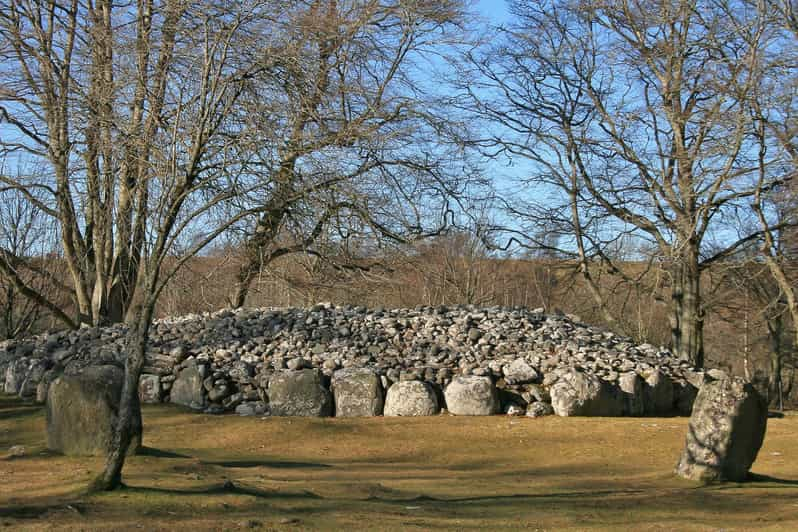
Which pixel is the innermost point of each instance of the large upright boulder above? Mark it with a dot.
(187, 388)
(299, 393)
(82, 412)
(15, 375)
(726, 430)
(411, 398)
(357, 393)
(584, 394)
(471, 396)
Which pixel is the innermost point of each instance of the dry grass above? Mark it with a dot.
(224, 473)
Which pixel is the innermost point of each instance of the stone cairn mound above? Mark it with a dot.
(343, 360)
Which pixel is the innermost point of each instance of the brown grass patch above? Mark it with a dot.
(222, 473)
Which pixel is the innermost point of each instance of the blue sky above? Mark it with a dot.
(495, 10)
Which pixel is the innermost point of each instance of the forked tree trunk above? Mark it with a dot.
(135, 350)
(256, 256)
(687, 314)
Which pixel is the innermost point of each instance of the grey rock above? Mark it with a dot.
(357, 393)
(520, 372)
(584, 394)
(187, 388)
(411, 398)
(296, 364)
(82, 412)
(252, 408)
(15, 375)
(299, 393)
(150, 389)
(219, 392)
(725, 432)
(539, 409)
(471, 396)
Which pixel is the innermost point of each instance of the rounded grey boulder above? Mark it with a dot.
(411, 398)
(726, 430)
(357, 393)
(471, 396)
(82, 412)
(584, 394)
(299, 393)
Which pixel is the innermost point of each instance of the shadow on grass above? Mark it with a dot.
(19, 411)
(754, 478)
(38, 507)
(266, 463)
(228, 488)
(160, 453)
(580, 495)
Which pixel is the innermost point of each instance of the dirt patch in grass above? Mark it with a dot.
(206, 472)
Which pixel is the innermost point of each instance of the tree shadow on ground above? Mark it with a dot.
(266, 463)
(160, 453)
(754, 478)
(19, 411)
(39, 506)
(227, 488)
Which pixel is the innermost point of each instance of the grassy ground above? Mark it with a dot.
(226, 473)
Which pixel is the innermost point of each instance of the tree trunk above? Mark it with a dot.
(687, 315)
(135, 349)
(256, 257)
(775, 333)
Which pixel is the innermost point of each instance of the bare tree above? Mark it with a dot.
(136, 111)
(90, 91)
(622, 112)
(352, 140)
(24, 234)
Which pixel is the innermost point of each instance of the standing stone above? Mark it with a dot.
(584, 394)
(411, 398)
(150, 390)
(15, 374)
(631, 386)
(725, 432)
(299, 393)
(357, 393)
(82, 412)
(658, 394)
(471, 396)
(187, 389)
